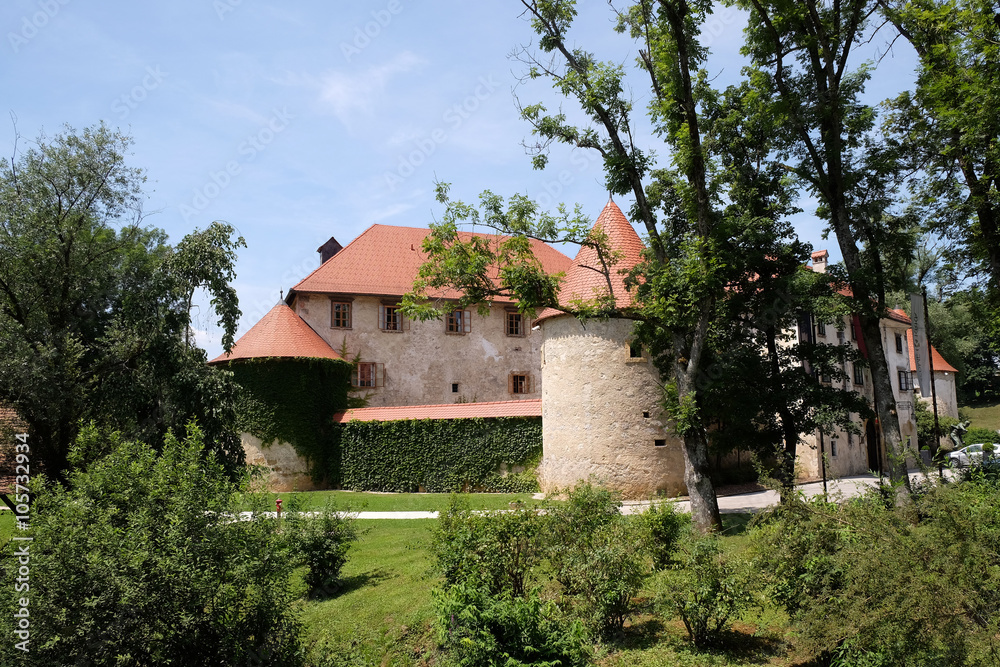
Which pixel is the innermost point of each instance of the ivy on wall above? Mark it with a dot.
(292, 400)
(440, 455)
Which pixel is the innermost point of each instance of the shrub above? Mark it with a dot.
(482, 629)
(710, 591)
(979, 434)
(320, 541)
(140, 562)
(606, 574)
(662, 526)
(570, 528)
(496, 549)
(912, 585)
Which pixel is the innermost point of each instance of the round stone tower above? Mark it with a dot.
(601, 396)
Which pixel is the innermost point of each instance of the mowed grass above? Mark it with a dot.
(384, 613)
(984, 416)
(361, 501)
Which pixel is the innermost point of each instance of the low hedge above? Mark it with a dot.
(439, 456)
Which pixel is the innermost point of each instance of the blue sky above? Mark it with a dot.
(304, 120)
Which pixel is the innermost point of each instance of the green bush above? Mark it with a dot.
(483, 629)
(442, 455)
(570, 528)
(978, 434)
(711, 590)
(320, 541)
(606, 575)
(887, 585)
(140, 562)
(662, 526)
(496, 550)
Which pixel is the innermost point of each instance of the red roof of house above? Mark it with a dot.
(280, 333)
(530, 408)
(384, 261)
(585, 279)
(939, 363)
(900, 316)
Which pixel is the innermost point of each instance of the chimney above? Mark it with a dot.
(328, 250)
(819, 260)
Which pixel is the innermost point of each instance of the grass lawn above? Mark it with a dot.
(385, 614)
(398, 502)
(984, 416)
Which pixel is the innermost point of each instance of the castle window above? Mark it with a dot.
(833, 445)
(390, 318)
(454, 387)
(519, 383)
(635, 350)
(859, 373)
(515, 324)
(659, 443)
(458, 322)
(340, 314)
(905, 381)
(899, 343)
(821, 328)
(368, 374)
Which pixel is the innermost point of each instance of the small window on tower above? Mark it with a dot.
(659, 442)
(454, 387)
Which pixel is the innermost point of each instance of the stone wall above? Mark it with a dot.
(601, 413)
(424, 362)
(288, 470)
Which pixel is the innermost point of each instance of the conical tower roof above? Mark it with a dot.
(280, 333)
(585, 278)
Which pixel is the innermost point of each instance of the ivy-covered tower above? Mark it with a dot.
(601, 396)
(291, 383)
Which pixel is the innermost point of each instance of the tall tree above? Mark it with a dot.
(950, 123)
(804, 51)
(95, 308)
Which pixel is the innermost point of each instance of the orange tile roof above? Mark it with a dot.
(939, 363)
(584, 279)
(280, 333)
(530, 408)
(899, 316)
(384, 260)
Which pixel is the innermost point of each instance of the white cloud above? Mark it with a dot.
(346, 93)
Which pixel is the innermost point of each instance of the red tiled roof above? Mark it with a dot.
(530, 408)
(584, 280)
(820, 254)
(384, 260)
(280, 333)
(899, 316)
(939, 363)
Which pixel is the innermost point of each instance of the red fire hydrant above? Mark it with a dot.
(278, 503)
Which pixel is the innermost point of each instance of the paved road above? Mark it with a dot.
(845, 487)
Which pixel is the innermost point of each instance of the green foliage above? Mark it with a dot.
(320, 541)
(495, 550)
(293, 400)
(925, 425)
(95, 307)
(483, 629)
(870, 583)
(141, 563)
(572, 526)
(710, 590)
(662, 527)
(605, 574)
(978, 434)
(439, 455)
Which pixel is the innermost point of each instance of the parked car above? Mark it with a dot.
(971, 455)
